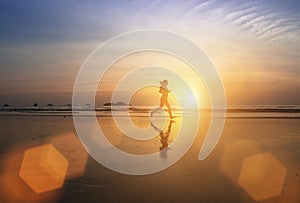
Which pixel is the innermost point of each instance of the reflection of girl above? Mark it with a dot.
(163, 89)
(164, 139)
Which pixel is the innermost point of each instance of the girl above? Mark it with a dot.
(163, 89)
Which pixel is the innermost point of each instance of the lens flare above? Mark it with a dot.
(97, 64)
(43, 168)
(262, 176)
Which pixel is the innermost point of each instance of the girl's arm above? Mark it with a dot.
(162, 90)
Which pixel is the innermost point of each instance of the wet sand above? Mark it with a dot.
(247, 147)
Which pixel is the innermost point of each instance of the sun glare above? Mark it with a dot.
(149, 96)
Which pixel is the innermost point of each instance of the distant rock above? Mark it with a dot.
(35, 104)
(121, 104)
(49, 104)
(116, 104)
(107, 104)
(6, 105)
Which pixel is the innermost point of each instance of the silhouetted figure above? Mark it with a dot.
(164, 139)
(163, 89)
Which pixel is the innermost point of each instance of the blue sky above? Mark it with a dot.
(255, 44)
(65, 21)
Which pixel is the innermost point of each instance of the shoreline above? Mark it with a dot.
(235, 115)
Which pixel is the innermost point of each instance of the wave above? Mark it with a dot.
(237, 111)
(230, 109)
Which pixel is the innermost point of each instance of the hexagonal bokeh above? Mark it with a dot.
(262, 176)
(43, 168)
(12, 187)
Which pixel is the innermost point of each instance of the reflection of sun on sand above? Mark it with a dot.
(140, 118)
(133, 146)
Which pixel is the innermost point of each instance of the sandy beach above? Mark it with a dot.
(256, 160)
(150, 101)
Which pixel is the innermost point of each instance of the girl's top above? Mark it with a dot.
(164, 91)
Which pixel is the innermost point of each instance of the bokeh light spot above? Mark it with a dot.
(13, 188)
(43, 168)
(262, 176)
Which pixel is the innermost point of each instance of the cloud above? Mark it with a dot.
(267, 22)
(274, 21)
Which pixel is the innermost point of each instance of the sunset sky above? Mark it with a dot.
(255, 45)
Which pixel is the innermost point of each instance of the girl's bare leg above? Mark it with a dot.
(169, 109)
